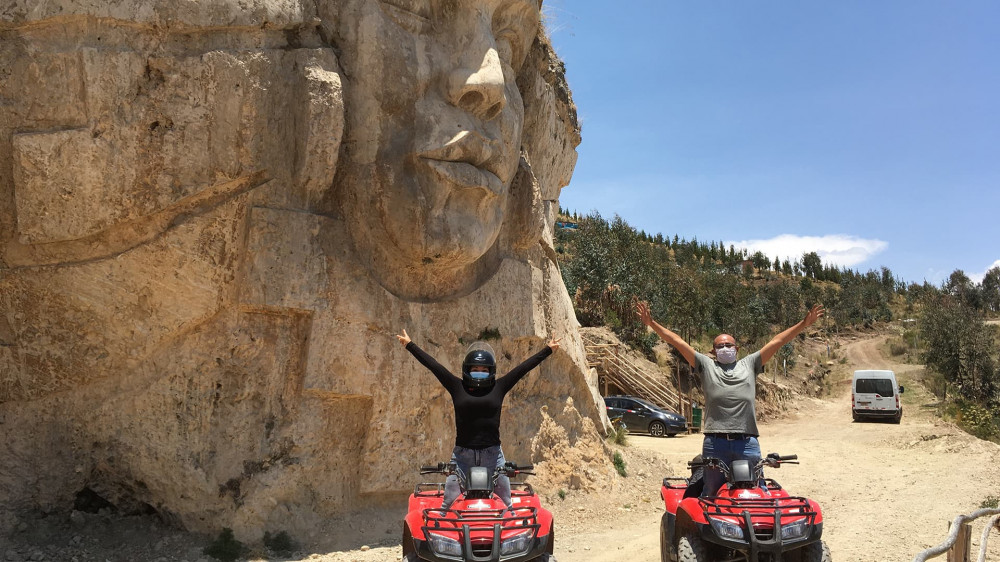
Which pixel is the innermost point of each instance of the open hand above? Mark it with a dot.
(815, 313)
(642, 309)
(554, 344)
(403, 339)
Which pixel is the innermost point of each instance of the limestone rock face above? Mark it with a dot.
(215, 217)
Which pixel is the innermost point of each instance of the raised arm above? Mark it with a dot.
(517, 373)
(685, 349)
(443, 375)
(772, 347)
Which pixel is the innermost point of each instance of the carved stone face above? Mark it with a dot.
(434, 122)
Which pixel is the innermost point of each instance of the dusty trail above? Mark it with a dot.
(888, 491)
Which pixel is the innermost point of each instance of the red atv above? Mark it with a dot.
(752, 519)
(476, 528)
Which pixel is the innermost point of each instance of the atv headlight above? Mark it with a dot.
(444, 545)
(726, 530)
(515, 545)
(795, 530)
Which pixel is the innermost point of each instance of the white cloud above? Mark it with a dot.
(978, 277)
(840, 250)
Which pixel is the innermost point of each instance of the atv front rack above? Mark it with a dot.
(483, 533)
(762, 513)
(768, 524)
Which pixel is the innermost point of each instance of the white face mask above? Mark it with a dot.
(725, 355)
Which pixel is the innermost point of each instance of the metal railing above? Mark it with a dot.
(956, 545)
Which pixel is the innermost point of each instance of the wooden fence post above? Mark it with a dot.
(963, 544)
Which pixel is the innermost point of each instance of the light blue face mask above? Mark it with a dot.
(479, 375)
(726, 355)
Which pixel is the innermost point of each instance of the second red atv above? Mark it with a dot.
(477, 528)
(750, 519)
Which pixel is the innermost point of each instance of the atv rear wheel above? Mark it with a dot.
(691, 549)
(656, 429)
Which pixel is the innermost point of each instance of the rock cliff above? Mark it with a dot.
(214, 218)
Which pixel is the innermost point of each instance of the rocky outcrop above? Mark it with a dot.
(214, 219)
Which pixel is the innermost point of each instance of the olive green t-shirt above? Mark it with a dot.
(730, 393)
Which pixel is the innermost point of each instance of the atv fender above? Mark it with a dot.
(819, 511)
(412, 527)
(692, 509)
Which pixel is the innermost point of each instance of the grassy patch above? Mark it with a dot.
(618, 434)
(619, 464)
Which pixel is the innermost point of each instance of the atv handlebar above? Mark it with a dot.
(773, 460)
(441, 468)
(509, 468)
(782, 458)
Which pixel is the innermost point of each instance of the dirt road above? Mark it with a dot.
(887, 491)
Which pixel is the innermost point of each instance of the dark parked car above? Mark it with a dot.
(639, 415)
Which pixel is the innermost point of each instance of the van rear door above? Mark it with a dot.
(876, 394)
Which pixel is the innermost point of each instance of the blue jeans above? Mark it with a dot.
(490, 457)
(727, 451)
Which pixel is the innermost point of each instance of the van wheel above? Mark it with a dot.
(898, 417)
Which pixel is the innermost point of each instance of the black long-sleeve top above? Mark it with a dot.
(477, 411)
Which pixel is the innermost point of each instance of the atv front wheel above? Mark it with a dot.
(691, 549)
(815, 552)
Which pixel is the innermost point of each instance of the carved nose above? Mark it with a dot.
(480, 92)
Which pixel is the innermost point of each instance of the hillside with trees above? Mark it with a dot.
(700, 289)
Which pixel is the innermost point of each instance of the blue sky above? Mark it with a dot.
(868, 131)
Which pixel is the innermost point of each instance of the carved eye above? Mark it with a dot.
(412, 15)
(506, 48)
(514, 28)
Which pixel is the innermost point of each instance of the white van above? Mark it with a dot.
(874, 395)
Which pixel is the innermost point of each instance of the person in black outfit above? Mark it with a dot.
(478, 399)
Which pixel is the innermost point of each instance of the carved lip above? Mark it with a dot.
(470, 160)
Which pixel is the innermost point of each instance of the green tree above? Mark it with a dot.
(990, 290)
(811, 264)
(960, 348)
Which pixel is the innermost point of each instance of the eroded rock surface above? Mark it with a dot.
(216, 216)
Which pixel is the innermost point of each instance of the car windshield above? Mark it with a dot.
(882, 387)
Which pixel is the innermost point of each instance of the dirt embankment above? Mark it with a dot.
(888, 491)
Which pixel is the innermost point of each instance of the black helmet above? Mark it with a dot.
(480, 354)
